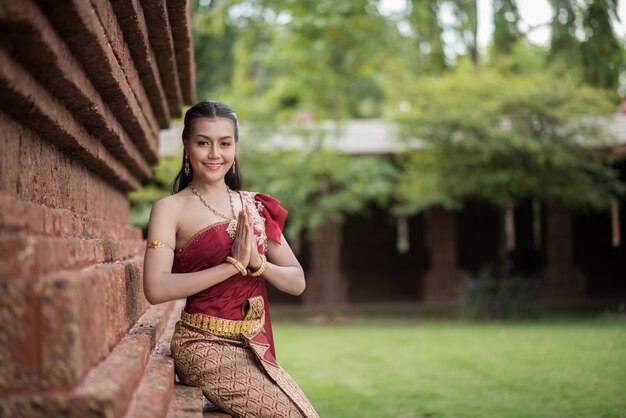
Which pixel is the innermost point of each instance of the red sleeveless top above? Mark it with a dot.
(210, 246)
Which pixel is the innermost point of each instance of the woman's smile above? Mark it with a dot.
(213, 166)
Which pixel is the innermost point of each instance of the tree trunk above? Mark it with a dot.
(326, 286)
(561, 279)
(443, 280)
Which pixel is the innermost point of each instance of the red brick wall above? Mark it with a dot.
(82, 99)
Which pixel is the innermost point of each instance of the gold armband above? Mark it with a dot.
(237, 265)
(261, 269)
(157, 244)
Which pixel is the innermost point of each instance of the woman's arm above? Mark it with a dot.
(159, 283)
(283, 270)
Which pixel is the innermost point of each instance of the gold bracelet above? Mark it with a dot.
(261, 269)
(237, 265)
(157, 244)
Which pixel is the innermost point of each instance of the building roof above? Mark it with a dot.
(354, 137)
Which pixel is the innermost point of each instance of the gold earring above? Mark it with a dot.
(187, 168)
(235, 167)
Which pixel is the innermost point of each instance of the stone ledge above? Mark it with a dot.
(131, 19)
(107, 66)
(159, 31)
(35, 170)
(33, 255)
(180, 20)
(28, 101)
(27, 217)
(107, 390)
(74, 320)
(153, 396)
(186, 402)
(48, 57)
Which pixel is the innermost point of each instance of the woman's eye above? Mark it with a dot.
(226, 144)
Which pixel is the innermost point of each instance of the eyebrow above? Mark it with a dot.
(208, 137)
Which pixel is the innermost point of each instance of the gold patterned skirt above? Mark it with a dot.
(231, 362)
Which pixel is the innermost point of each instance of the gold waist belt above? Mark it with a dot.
(222, 327)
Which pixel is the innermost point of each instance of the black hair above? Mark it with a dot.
(211, 110)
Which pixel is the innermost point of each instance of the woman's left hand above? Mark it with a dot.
(255, 258)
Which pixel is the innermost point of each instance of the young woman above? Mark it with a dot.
(225, 244)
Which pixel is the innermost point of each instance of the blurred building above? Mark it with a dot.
(376, 260)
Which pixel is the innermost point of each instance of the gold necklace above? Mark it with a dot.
(231, 230)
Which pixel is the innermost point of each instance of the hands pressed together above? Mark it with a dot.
(245, 248)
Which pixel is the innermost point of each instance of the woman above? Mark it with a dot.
(225, 243)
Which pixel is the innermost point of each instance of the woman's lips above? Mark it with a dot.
(214, 166)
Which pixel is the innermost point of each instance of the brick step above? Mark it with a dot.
(186, 402)
(108, 389)
(153, 396)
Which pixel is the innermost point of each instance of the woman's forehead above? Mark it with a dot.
(219, 127)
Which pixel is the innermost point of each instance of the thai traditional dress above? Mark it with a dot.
(223, 342)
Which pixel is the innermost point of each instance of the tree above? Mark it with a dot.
(427, 40)
(503, 140)
(318, 184)
(564, 46)
(506, 32)
(603, 56)
(466, 13)
(213, 42)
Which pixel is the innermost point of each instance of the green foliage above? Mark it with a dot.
(428, 36)
(213, 41)
(158, 187)
(466, 13)
(318, 184)
(603, 57)
(326, 62)
(599, 57)
(504, 139)
(506, 32)
(564, 46)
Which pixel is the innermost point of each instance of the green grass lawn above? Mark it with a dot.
(390, 368)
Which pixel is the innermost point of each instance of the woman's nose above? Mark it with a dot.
(213, 151)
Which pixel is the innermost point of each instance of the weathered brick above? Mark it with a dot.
(67, 181)
(18, 349)
(104, 203)
(29, 217)
(37, 254)
(18, 256)
(9, 160)
(108, 388)
(13, 214)
(108, 68)
(47, 57)
(82, 319)
(117, 377)
(157, 18)
(180, 21)
(186, 402)
(25, 99)
(132, 21)
(153, 396)
(115, 37)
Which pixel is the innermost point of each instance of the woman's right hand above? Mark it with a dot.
(241, 245)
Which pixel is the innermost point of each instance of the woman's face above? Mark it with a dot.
(211, 148)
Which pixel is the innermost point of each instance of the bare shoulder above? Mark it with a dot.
(168, 205)
(167, 210)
